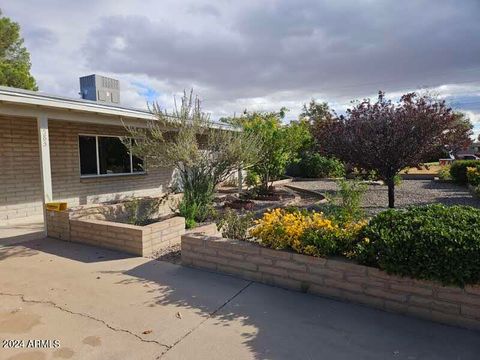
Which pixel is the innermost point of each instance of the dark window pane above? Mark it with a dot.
(114, 157)
(137, 164)
(88, 155)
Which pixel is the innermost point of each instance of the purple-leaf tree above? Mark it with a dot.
(387, 137)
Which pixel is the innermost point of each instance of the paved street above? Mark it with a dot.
(99, 304)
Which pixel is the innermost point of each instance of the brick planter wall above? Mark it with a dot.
(132, 239)
(335, 278)
(58, 224)
(206, 229)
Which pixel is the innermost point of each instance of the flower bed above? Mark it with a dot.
(306, 232)
(433, 242)
(430, 255)
(104, 226)
(334, 278)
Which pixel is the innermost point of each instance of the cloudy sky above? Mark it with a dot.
(256, 54)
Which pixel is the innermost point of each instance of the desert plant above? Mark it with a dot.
(202, 153)
(189, 210)
(142, 211)
(433, 242)
(458, 170)
(234, 225)
(350, 195)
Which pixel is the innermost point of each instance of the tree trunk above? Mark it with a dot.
(267, 180)
(391, 193)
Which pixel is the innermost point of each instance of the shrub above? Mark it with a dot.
(252, 179)
(305, 232)
(473, 175)
(234, 225)
(142, 211)
(189, 211)
(350, 196)
(313, 165)
(319, 241)
(431, 242)
(397, 180)
(458, 170)
(444, 173)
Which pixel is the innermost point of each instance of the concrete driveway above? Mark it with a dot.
(99, 304)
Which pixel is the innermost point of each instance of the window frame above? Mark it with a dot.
(97, 152)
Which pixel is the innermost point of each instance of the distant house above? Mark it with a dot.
(473, 149)
(55, 148)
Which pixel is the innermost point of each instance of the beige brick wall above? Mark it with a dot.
(66, 182)
(58, 224)
(207, 229)
(115, 236)
(132, 239)
(336, 279)
(20, 179)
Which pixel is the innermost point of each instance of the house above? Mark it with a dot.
(473, 149)
(56, 148)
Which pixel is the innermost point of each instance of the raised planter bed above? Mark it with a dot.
(204, 229)
(275, 195)
(105, 227)
(335, 278)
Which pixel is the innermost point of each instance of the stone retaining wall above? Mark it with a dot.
(335, 278)
(132, 239)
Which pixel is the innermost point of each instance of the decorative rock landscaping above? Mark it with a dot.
(409, 192)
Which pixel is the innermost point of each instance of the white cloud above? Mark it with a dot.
(256, 55)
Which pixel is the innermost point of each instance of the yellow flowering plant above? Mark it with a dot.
(473, 175)
(306, 232)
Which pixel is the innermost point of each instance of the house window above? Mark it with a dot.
(106, 155)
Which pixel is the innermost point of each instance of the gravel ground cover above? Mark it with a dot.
(409, 192)
(172, 254)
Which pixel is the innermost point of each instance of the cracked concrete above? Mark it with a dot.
(51, 303)
(71, 330)
(100, 304)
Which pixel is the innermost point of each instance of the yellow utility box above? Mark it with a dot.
(57, 206)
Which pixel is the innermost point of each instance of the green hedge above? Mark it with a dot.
(312, 165)
(458, 170)
(433, 242)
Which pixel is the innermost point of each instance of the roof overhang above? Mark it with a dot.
(18, 102)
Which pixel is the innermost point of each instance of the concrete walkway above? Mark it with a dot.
(20, 230)
(101, 304)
